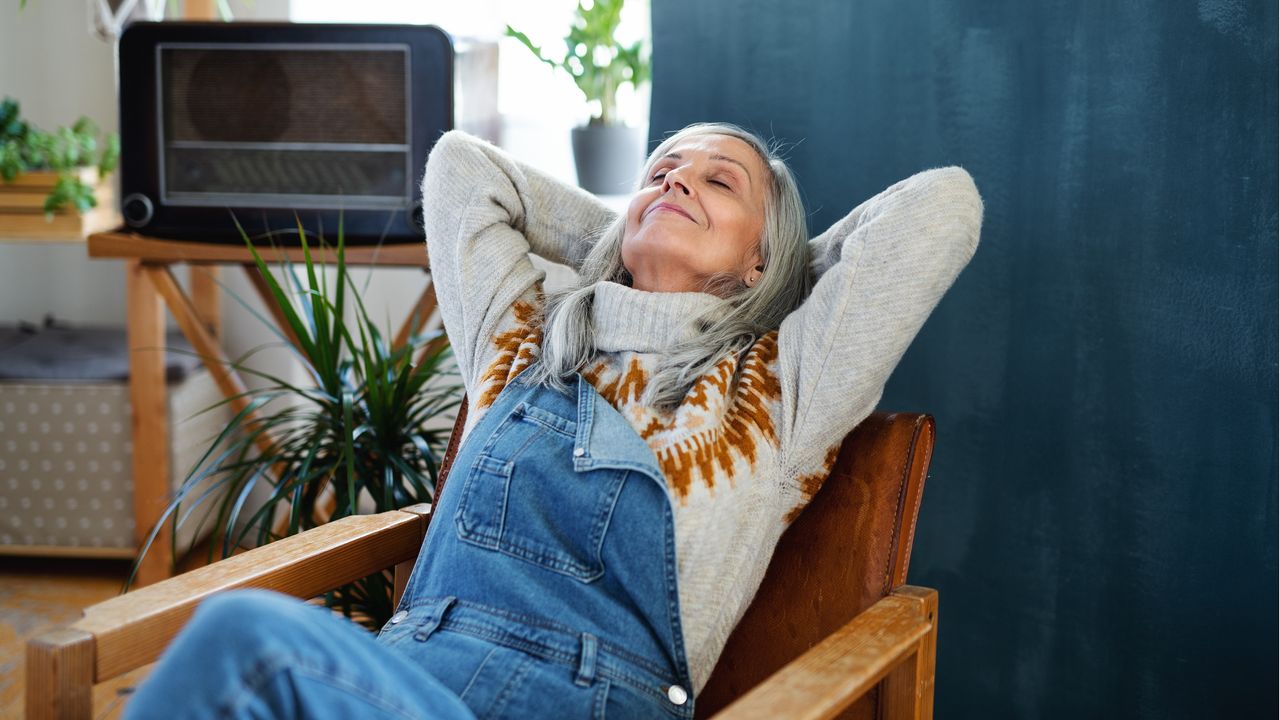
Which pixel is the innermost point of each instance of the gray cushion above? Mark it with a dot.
(82, 354)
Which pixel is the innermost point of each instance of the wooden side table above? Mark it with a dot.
(150, 287)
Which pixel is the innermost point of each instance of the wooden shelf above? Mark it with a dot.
(62, 227)
(121, 244)
(22, 216)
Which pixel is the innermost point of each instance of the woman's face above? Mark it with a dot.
(700, 212)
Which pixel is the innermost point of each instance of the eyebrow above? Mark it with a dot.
(725, 158)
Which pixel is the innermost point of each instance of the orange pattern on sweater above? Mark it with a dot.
(715, 428)
(516, 349)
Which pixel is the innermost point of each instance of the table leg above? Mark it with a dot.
(418, 316)
(150, 422)
(206, 295)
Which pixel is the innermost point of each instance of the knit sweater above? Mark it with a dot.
(740, 459)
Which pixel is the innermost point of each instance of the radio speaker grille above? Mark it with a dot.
(310, 124)
(289, 96)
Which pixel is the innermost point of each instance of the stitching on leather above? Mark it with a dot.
(902, 491)
(915, 511)
(446, 463)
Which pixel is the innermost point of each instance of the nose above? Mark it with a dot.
(675, 179)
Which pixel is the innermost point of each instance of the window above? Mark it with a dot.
(538, 105)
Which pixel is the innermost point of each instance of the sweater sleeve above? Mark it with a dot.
(484, 212)
(883, 268)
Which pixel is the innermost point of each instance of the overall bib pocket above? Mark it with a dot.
(523, 498)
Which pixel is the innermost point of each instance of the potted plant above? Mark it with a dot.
(607, 152)
(60, 175)
(364, 434)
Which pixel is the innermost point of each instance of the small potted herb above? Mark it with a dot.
(607, 152)
(51, 172)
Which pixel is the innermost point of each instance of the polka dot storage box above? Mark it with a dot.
(66, 478)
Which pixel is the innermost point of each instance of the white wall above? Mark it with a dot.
(58, 71)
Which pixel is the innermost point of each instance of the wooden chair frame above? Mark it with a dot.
(894, 640)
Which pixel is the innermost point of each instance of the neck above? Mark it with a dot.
(666, 282)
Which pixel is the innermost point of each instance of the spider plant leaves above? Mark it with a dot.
(348, 420)
(363, 432)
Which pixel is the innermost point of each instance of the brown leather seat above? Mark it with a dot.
(847, 550)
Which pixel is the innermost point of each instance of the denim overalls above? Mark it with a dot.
(546, 586)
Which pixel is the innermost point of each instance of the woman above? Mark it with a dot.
(636, 443)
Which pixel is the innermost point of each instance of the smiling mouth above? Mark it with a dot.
(670, 208)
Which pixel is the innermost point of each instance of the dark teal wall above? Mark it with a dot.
(1101, 515)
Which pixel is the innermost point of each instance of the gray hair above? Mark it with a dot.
(568, 343)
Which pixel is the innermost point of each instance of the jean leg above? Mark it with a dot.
(256, 654)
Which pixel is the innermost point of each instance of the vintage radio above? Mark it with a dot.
(265, 121)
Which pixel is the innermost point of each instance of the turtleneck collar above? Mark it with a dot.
(641, 321)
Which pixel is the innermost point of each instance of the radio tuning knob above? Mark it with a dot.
(137, 210)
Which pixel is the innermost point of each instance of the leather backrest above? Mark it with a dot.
(450, 450)
(848, 549)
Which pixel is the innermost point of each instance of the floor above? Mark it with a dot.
(39, 594)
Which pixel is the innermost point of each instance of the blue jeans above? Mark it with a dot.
(546, 587)
(256, 654)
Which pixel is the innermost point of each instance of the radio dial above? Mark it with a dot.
(138, 210)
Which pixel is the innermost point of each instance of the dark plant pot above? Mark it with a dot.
(608, 158)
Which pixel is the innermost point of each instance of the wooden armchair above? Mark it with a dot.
(832, 631)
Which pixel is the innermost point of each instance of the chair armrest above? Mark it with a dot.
(131, 630)
(848, 662)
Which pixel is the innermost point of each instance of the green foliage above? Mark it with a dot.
(598, 63)
(65, 151)
(361, 427)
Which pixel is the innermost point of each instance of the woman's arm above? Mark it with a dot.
(484, 212)
(883, 268)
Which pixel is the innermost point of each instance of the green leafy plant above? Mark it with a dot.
(597, 62)
(65, 151)
(361, 427)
